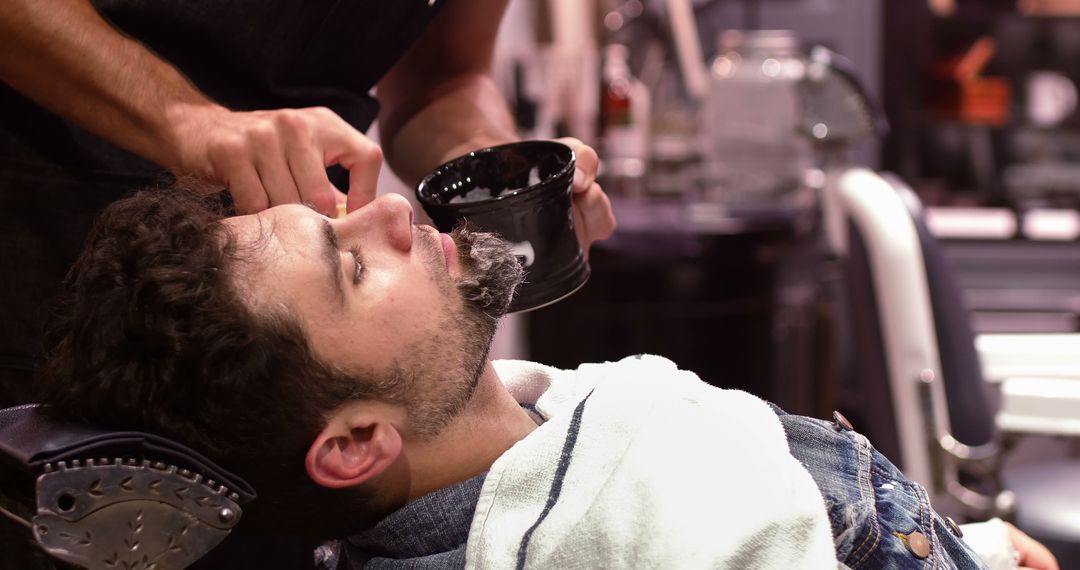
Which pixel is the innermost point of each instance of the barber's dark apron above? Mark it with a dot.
(246, 54)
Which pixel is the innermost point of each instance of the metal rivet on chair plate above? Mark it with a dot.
(841, 421)
(917, 543)
(955, 528)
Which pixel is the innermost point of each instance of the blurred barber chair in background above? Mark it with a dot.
(915, 385)
(104, 499)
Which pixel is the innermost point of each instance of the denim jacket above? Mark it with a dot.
(879, 518)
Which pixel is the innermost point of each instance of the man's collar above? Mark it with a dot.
(430, 531)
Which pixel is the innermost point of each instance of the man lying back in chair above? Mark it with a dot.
(340, 366)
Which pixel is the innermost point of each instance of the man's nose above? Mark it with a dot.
(390, 215)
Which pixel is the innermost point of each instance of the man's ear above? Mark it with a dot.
(349, 453)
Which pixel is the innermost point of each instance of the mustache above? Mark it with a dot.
(493, 271)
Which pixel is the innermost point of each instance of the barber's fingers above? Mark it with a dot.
(364, 162)
(347, 147)
(243, 182)
(228, 161)
(362, 183)
(312, 140)
(593, 217)
(270, 154)
(267, 158)
(312, 185)
(587, 163)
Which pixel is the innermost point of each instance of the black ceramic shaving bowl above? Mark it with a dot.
(520, 191)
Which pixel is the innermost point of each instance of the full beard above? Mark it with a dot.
(442, 374)
(493, 273)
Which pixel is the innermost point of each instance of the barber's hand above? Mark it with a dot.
(593, 218)
(267, 158)
(1033, 554)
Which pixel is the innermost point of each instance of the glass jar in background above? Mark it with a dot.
(753, 155)
(674, 169)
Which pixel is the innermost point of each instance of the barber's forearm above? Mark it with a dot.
(471, 113)
(439, 101)
(67, 58)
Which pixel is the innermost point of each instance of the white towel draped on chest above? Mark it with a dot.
(640, 464)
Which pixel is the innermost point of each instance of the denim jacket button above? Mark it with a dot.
(955, 528)
(841, 421)
(918, 545)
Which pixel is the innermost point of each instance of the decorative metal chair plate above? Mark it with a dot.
(115, 500)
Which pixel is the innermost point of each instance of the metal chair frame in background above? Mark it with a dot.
(938, 420)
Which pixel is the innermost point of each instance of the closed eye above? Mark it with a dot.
(358, 266)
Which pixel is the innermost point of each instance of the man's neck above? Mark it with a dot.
(490, 424)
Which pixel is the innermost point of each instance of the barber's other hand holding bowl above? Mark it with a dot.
(593, 217)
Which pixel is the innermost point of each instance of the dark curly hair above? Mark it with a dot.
(150, 333)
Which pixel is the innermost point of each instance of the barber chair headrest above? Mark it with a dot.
(119, 499)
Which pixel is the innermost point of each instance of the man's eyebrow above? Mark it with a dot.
(332, 253)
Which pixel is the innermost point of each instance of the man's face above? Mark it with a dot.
(379, 299)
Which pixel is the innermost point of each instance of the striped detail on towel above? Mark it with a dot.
(556, 483)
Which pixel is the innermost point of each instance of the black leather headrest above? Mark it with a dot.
(32, 439)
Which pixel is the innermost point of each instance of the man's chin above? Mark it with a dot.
(492, 271)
